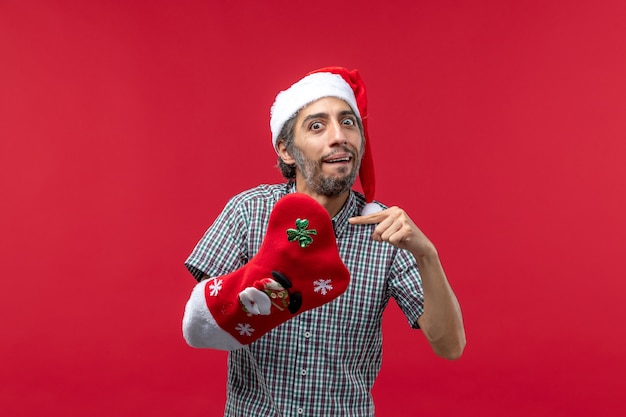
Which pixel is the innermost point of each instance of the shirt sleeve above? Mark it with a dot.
(405, 286)
(222, 249)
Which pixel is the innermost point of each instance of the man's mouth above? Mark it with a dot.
(335, 159)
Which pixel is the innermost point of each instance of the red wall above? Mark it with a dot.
(125, 126)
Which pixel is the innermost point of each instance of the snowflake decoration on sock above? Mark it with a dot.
(322, 286)
(215, 286)
(244, 329)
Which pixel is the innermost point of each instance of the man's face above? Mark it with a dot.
(328, 146)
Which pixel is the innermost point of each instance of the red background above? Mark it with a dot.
(125, 126)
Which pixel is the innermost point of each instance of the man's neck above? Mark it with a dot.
(332, 204)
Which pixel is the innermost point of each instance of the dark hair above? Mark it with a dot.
(287, 135)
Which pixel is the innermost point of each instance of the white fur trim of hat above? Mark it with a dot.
(306, 91)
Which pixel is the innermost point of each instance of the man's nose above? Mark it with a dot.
(337, 135)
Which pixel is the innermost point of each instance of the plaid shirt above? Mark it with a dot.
(322, 362)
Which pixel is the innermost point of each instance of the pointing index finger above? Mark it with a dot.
(367, 219)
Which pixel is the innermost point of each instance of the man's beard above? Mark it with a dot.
(318, 182)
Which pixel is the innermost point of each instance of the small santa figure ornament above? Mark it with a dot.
(297, 268)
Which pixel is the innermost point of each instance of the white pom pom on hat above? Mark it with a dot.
(330, 82)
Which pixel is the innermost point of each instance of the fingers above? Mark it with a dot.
(395, 234)
(395, 230)
(384, 229)
(393, 226)
(368, 219)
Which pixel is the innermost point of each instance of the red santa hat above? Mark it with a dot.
(330, 82)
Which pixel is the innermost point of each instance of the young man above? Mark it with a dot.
(323, 362)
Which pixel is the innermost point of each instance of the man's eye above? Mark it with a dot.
(316, 126)
(348, 122)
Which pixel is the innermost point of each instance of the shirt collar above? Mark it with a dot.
(340, 221)
(349, 209)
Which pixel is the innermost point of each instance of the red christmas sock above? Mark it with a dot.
(297, 268)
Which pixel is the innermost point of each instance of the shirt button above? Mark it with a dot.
(300, 410)
(307, 334)
(303, 372)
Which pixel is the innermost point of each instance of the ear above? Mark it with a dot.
(284, 155)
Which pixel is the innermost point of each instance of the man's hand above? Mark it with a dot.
(441, 321)
(397, 228)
